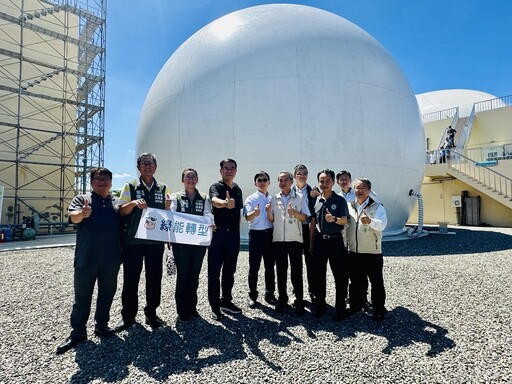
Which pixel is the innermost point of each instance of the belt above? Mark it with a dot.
(227, 229)
(261, 230)
(332, 236)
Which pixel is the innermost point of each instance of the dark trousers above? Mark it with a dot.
(293, 250)
(222, 256)
(84, 280)
(134, 256)
(189, 260)
(260, 246)
(308, 258)
(371, 265)
(332, 250)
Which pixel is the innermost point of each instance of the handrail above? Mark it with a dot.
(481, 173)
(439, 115)
(466, 131)
(498, 102)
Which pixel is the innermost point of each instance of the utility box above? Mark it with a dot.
(472, 211)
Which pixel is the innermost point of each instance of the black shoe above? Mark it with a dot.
(104, 331)
(298, 306)
(124, 324)
(228, 306)
(367, 305)
(184, 319)
(217, 314)
(271, 299)
(69, 343)
(195, 314)
(354, 312)
(154, 321)
(252, 303)
(281, 306)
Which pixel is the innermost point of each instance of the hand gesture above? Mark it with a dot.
(329, 217)
(257, 211)
(168, 201)
(291, 211)
(365, 219)
(229, 203)
(314, 192)
(86, 209)
(140, 203)
(268, 207)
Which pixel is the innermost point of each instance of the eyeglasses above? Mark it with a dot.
(301, 174)
(229, 168)
(99, 178)
(147, 164)
(262, 180)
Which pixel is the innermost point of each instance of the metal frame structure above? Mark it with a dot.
(52, 100)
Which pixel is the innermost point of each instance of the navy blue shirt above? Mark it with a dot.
(337, 206)
(98, 236)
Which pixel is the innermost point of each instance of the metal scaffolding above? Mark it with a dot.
(52, 99)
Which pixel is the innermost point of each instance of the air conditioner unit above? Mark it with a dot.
(456, 201)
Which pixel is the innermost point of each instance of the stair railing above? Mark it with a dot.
(480, 172)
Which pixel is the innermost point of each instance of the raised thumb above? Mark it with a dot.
(227, 195)
(86, 203)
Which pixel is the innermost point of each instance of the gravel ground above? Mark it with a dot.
(449, 321)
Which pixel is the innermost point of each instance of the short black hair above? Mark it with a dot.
(99, 171)
(341, 173)
(228, 161)
(146, 154)
(261, 173)
(327, 171)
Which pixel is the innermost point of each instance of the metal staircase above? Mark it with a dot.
(482, 178)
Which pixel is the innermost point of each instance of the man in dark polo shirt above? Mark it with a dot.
(226, 197)
(97, 257)
(330, 216)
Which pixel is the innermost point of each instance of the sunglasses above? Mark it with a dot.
(262, 180)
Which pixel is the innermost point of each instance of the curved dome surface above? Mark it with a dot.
(451, 98)
(276, 85)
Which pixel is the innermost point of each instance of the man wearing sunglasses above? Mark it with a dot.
(260, 240)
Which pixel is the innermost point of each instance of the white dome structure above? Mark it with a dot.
(436, 101)
(276, 85)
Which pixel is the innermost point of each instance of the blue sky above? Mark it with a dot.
(439, 44)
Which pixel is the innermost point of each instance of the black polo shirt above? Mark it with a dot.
(98, 236)
(337, 206)
(227, 218)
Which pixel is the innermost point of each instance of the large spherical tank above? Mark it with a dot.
(276, 85)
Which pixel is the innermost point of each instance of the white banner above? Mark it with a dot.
(174, 227)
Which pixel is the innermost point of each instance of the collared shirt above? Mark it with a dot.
(379, 221)
(259, 222)
(304, 204)
(350, 196)
(227, 218)
(337, 206)
(143, 190)
(305, 195)
(98, 236)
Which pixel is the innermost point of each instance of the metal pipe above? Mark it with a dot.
(416, 231)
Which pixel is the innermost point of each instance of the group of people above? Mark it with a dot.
(343, 229)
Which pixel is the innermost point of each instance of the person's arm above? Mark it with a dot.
(79, 209)
(380, 220)
(270, 213)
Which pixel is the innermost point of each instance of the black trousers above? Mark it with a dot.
(134, 256)
(371, 265)
(333, 251)
(84, 280)
(260, 246)
(293, 250)
(222, 256)
(189, 261)
(308, 258)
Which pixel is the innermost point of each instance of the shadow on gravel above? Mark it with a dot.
(402, 328)
(164, 352)
(462, 242)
